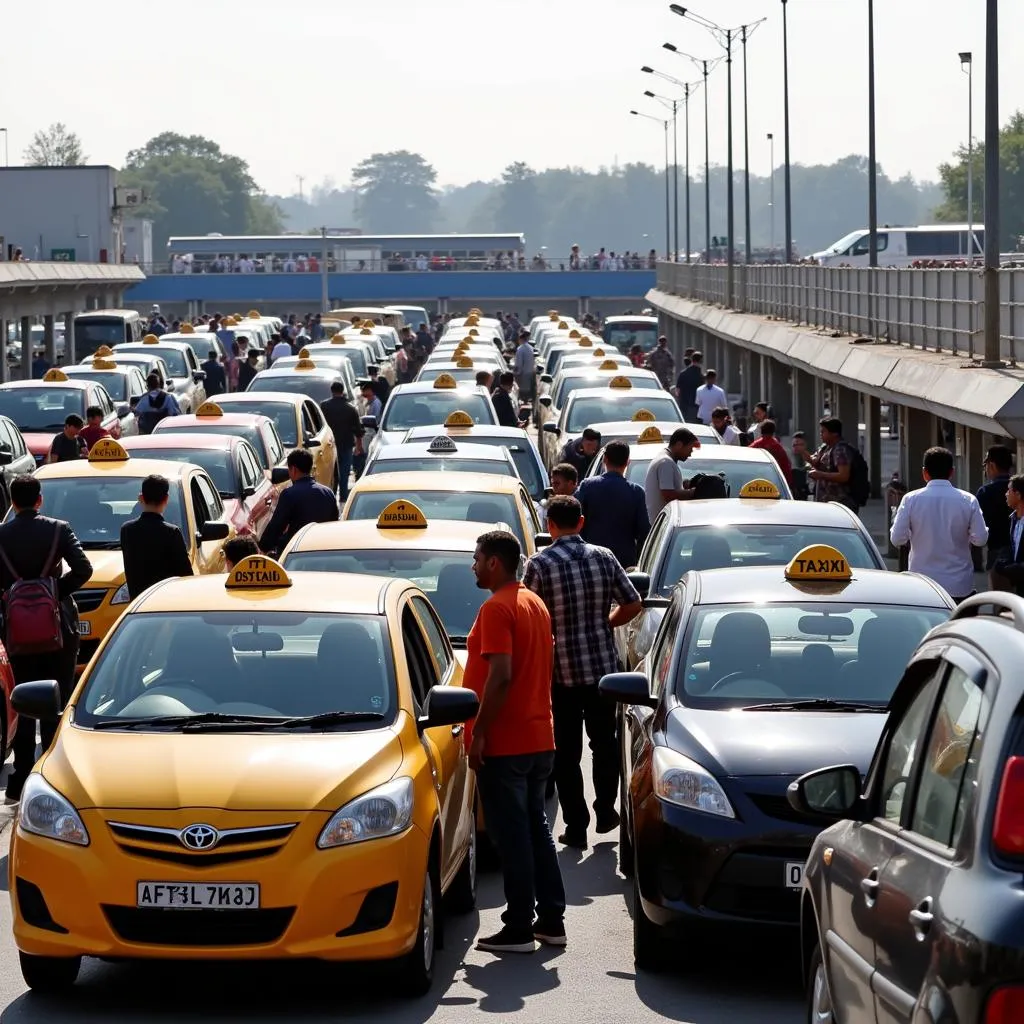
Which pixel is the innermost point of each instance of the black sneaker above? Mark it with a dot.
(607, 822)
(508, 940)
(577, 840)
(551, 933)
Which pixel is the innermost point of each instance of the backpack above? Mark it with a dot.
(860, 478)
(149, 418)
(31, 608)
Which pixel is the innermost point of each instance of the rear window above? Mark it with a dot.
(294, 384)
(430, 408)
(432, 463)
(177, 362)
(570, 384)
(736, 473)
(251, 434)
(587, 409)
(282, 414)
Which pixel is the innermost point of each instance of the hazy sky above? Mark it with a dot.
(311, 87)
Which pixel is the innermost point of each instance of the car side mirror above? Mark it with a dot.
(6, 456)
(542, 540)
(311, 442)
(545, 400)
(123, 410)
(370, 422)
(248, 491)
(214, 530)
(199, 376)
(628, 688)
(546, 378)
(37, 699)
(448, 705)
(641, 582)
(828, 793)
(551, 428)
(279, 475)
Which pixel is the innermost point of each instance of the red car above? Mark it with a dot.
(9, 719)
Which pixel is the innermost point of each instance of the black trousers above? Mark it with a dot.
(576, 708)
(28, 667)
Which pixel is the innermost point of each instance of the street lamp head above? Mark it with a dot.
(635, 113)
(677, 9)
(646, 70)
(965, 58)
(647, 92)
(669, 46)
(770, 136)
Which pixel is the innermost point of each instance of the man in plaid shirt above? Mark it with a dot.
(580, 583)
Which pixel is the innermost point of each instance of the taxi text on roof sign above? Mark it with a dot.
(209, 409)
(459, 419)
(652, 435)
(442, 444)
(401, 515)
(760, 489)
(106, 449)
(445, 381)
(644, 416)
(257, 572)
(620, 382)
(821, 563)
(54, 375)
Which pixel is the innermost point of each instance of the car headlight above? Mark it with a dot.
(384, 811)
(680, 781)
(44, 812)
(121, 595)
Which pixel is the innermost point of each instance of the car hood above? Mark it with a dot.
(241, 772)
(737, 743)
(107, 569)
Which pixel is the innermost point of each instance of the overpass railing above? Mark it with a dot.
(936, 310)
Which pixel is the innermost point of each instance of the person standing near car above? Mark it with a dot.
(33, 547)
(662, 363)
(68, 445)
(153, 549)
(511, 745)
(614, 509)
(306, 501)
(992, 499)
(155, 405)
(348, 430)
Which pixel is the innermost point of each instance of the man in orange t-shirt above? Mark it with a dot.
(512, 745)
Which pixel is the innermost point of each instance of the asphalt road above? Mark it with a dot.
(736, 979)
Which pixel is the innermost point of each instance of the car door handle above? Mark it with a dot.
(869, 886)
(457, 730)
(921, 917)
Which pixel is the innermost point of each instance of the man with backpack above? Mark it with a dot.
(155, 405)
(839, 471)
(40, 615)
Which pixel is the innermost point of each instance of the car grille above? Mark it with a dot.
(778, 904)
(89, 600)
(233, 845)
(199, 927)
(778, 807)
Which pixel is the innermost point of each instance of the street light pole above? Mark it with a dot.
(746, 152)
(687, 124)
(730, 211)
(992, 226)
(872, 156)
(785, 130)
(668, 211)
(707, 170)
(675, 180)
(771, 190)
(967, 59)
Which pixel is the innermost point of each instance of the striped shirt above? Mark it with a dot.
(579, 583)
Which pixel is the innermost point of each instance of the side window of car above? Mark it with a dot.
(202, 511)
(211, 496)
(316, 417)
(273, 442)
(651, 545)
(309, 428)
(903, 749)
(422, 674)
(436, 638)
(949, 765)
(664, 645)
(529, 511)
(17, 442)
(248, 468)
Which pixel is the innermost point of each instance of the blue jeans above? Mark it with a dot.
(512, 791)
(344, 471)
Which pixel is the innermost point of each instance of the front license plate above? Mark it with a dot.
(794, 874)
(84, 628)
(199, 895)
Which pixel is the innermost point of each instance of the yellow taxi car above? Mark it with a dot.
(99, 494)
(466, 497)
(339, 812)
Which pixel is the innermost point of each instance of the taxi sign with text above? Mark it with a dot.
(585, 343)
(459, 419)
(760, 489)
(652, 435)
(644, 416)
(442, 445)
(623, 383)
(106, 350)
(819, 563)
(305, 364)
(401, 515)
(257, 572)
(106, 449)
(609, 364)
(104, 364)
(209, 409)
(186, 329)
(445, 382)
(464, 363)
(54, 375)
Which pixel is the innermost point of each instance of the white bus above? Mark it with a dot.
(902, 246)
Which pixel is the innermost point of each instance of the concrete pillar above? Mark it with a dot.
(807, 410)
(873, 443)
(969, 472)
(26, 348)
(747, 387)
(918, 429)
(69, 338)
(778, 392)
(49, 339)
(5, 372)
(758, 379)
(846, 405)
(728, 369)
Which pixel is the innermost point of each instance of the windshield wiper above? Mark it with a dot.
(817, 704)
(213, 718)
(328, 718)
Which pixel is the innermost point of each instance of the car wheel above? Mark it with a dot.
(819, 998)
(649, 939)
(416, 971)
(49, 974)
(462, 894)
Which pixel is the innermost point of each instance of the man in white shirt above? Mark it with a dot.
(726, 431)
(940, 523)
(282, 348)
(709, 397)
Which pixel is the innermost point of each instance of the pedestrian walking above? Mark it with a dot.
(722, 423)
(216, 382)
(155, 405)
(32, 548)
(614, 509)
(687, 384)
(68, 445)
(588, 596)
(524, 365)
(564, 480)
(832, 465)
(664, 480)
(662, 363)
(992, 499)
(248, 369)
(801, 467)
(774, 447)
(580, 453)
(709, 397)
(508, 414)
(93, 430)
(306, 501)
(281, 347)
(940, 523)
(348, 430)
(511, 745)
(152, 548)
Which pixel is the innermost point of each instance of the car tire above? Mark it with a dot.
(462, 894)
(49, 975)
(416, 968)
(649, 939)
(819, 998)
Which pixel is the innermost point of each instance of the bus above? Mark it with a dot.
(106, 327)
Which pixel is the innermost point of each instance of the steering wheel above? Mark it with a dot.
(176, 684)
(747, 677)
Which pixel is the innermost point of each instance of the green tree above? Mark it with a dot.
(395, 194)
(194, 188)
(55, 147)
(518, 207)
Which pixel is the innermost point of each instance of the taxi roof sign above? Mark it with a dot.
(365, 330)
(575, 334)
(257, 572)
(305, 364)
(586, 343)
(473, 332)
(644, 416)
(609, 364)
(441, 443)
(445, 381)
(104, 364)
(562, 325)
(304, 353)
(401, 515)
(54, 375)
(186, 328)
(471, 321)
(209, 409)
(338, 339)
(819, 563)
(459, 419)
(150, 339)
(464, 363)
(651, 435)
(620, 383)
(254, 314)
(599, 353)
(106, 449)
(106, 350)
(760, 488)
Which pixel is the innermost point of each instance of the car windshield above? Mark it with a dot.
(527, 466)
(216, 461)
(745, 544)
(570, 384)
(736, 473)
(446, 576)
(160, 669)
(282, 413)
(176, 360)
(625, 335)
(471, 506)
(430, 463)
(202, 345)
(97, 507)
(317, 388)
(462, 376)
(41, 409)
(743, 655)
(251, 434)
(428, 408)
(356, 356)
(587, 409)
(115, 383)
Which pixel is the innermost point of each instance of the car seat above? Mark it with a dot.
(350, 675)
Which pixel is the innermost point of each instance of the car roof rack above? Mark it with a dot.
(1000, 602)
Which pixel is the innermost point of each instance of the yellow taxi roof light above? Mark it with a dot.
(209, 409)
(562, 325)
(464, 363)
(338, 339)
(819, 563)
(304, 353)
(257, 572)
(609, 364)
(760, 489)
(54, 375)
(652, 435)
(401, 515)
(150, 339)
(106, 350)
(620, 383)
(459, 419)
(104, 364)
(305, 364)
(575, 334)
(586, 343)
(644, 416)
(254, 314)
(106, 449)
(186, 329)
(445, 381)
(599, 353)
(365, 330)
